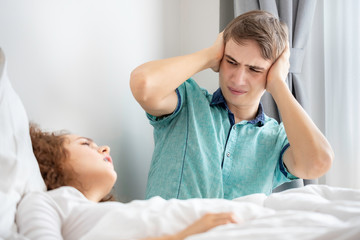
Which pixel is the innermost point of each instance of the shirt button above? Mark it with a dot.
(228, 154)
(234, 127)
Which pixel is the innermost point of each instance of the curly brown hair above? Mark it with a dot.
(51, 155)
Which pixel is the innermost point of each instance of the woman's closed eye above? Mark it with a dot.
(86, 143)
(90, 143)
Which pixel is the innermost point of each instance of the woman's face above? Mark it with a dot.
(91, 165)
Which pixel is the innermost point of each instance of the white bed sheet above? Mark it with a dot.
(312, 212)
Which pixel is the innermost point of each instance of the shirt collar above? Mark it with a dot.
(218, 99)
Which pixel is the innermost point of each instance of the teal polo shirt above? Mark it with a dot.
(201, 153)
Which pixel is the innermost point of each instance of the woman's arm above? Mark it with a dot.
(205, 223)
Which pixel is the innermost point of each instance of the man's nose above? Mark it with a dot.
(240, 76)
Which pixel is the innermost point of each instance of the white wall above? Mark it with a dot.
(70, 63)
(199, 29)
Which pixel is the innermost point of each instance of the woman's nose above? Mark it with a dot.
(104, 149)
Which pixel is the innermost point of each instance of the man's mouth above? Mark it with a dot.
(237, 91)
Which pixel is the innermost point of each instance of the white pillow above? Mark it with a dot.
(19, 171)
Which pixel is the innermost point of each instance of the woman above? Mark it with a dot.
(79, 175)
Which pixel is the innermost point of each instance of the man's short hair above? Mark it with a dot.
(269, 32)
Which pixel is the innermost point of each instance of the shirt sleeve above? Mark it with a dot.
(181, 92)
(281, 173)
(282, 166)
(38, 217)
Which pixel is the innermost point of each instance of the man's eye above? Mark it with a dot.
(85, 143)
(254, 70)
(231, 62)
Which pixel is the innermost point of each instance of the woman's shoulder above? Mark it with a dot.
(48, 218)
(61, 200)
(67, 192)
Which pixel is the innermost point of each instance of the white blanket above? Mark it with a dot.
(312, 212)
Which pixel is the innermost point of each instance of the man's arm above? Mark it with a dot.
(153, 84)
(310, 154)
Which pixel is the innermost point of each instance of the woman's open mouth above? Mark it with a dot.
(108, 159)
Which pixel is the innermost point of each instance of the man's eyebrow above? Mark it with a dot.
(231, 58)
(250, 66)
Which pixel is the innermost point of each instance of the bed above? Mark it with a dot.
(311, 212)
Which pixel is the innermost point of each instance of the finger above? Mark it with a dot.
(221, 214)
(223, 221)
(286, 51)
(229, 217)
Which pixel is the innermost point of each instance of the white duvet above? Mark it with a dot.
(312, 212)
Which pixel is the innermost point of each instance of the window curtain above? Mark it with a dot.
(298, 15)
(342, 86)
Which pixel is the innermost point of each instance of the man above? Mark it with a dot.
(223, 145)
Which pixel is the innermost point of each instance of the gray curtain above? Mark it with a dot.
(298, 15)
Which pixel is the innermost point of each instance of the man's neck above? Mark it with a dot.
(244, 112)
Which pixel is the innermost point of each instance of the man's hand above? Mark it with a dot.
(217, 52)
(279, 70)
